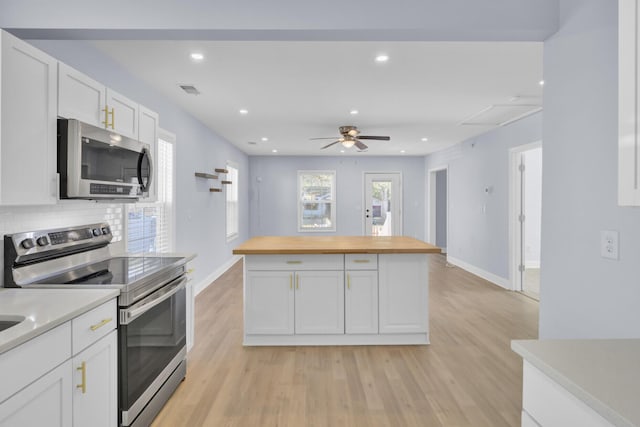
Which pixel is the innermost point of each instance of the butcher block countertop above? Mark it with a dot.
(265, 245)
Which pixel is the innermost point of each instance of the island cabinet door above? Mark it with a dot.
(404, 293)
(319, 302)
(269, 299)
(361, 302)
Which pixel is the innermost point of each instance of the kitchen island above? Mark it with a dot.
(335, 290)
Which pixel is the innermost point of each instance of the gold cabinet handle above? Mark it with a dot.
(101, 324)
(106, 117)
(348, 281)
(83, 386)
(297, 282)
(294, 262)
(361, 261)
(291, 281)
(108, 113)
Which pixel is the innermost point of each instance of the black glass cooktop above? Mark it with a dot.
(114, 271)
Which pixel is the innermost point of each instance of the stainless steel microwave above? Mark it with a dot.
(97, 164)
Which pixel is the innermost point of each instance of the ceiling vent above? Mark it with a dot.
(501, 114)
(190, 89)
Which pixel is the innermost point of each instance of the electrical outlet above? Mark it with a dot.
(609, 244)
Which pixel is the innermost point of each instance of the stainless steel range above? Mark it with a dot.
(152, 305)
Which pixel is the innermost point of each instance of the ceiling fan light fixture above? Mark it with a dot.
(348, 142)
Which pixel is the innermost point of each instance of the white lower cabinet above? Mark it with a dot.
(361, 302)
(404, 293)
(319, 302)
(96, 384)
(346, 299)
(546, 403)
(45, 402)
(66, 376)
(269, 300)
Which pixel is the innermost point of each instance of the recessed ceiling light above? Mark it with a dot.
(264, 139)
(353, 112)
(424, 139)
(197, 56)
(402, 151)
(342, 151)
(243, 112)
(382, 58)
(274, 151)
(541, 82)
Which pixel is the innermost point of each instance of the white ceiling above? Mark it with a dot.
(298, 90)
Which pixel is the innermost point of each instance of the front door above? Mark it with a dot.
(383, 204)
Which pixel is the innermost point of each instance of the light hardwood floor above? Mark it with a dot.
(468, 376)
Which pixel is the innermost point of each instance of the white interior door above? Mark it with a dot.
(382, 204)
(525, 217)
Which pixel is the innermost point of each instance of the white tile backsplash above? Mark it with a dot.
(66, 213)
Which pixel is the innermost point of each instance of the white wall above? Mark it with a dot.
(273, 188)
(583, 295)
(532, 206)
(200, 215)
(478, 235)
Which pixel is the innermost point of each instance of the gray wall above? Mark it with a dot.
(273, 192)
(478, 221)
(582, 294)
(200, 215)
(289, 19)
(441, 209)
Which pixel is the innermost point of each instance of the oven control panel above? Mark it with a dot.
(32, 245)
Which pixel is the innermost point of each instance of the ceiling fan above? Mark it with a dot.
(351, 136)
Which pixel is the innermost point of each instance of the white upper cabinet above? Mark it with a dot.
(80, 97)
(28, 91)
(628, 112)
(123, 114)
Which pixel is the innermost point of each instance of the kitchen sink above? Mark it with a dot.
(8, 321)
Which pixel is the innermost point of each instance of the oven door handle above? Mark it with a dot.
(130, 314)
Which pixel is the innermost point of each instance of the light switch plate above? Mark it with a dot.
(609, 244)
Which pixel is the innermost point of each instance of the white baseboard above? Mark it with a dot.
(204, 283)
(493, 278)
(532, 264)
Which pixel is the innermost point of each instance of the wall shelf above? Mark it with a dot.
(225, 182)
(215, 190)
(206, 175)
(220, 170)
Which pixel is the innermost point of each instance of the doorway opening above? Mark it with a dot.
(382, 204)
(526, 218)
(438, 207)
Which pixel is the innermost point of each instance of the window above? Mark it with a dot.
(150, 226)
(316, 203)
(232, 201)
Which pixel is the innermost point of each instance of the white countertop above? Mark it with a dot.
(605, 374)
(44, 309)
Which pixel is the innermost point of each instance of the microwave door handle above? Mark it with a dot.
(150, 177)
(130, 314)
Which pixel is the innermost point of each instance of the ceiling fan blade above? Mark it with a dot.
(329, 137)
(329, 145)
(360, 145)
(379, 138)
